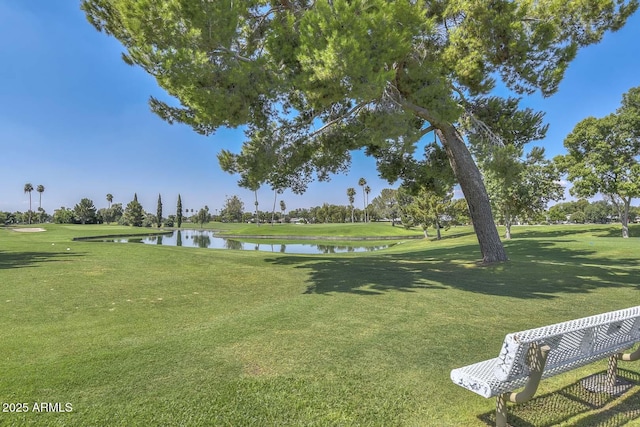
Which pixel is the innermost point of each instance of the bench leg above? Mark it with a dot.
(610, 383)
(536, 368)
(501, 410)
(612, 371)
(612, 368)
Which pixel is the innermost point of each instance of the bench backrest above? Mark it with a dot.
(573, 343)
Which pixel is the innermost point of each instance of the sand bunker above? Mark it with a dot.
(28, 230)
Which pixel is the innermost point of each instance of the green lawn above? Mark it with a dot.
(157, 335)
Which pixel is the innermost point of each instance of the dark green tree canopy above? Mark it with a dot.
(179, 212)
(133, 213)
(346, 62)
(85, 211)
(159, 211)
(313, 80)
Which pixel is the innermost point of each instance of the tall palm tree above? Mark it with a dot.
(40, 190)
(362, 182)
(28, 188)
(367, 190)
(351, 193)
(109, 199)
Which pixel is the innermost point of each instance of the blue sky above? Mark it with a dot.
(74, 118)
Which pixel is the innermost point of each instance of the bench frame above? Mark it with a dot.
(529, 356)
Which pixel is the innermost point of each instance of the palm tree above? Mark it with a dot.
(28, 188)
(109, 199)
(351, 193)
(367, 190)
(40, 190)
(362, 182)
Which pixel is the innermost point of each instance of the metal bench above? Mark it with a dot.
(529, 356)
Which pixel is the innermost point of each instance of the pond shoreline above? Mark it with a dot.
(208, 239)
(331, 238)
(110, 236)
(255, 236)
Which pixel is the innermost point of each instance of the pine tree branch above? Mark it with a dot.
(338, 119)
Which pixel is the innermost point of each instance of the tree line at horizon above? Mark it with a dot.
(397, 206)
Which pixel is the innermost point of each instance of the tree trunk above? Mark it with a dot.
(257, 219)
(475, 193)
(438, 235)
(507, 225)
(273, 212)
(622, 206)
(366, 209)
(624, 218)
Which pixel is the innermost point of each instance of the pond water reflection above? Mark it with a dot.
(208, 239)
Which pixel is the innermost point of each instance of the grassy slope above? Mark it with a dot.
(132, 334)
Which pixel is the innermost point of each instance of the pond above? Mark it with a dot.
(208, 239)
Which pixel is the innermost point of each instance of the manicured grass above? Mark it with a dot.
(157, 335)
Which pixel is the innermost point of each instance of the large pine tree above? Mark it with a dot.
(133, 213)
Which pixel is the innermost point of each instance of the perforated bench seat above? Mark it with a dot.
(551, 350)
(480, 377)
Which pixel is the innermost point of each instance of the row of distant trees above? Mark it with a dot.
(582, 211)
(85, 212)
(425, 210)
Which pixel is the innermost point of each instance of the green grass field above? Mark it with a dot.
(154, 335)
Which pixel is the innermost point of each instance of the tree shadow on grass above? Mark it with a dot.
(537, 270)
(561, 406)
(32, 259)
